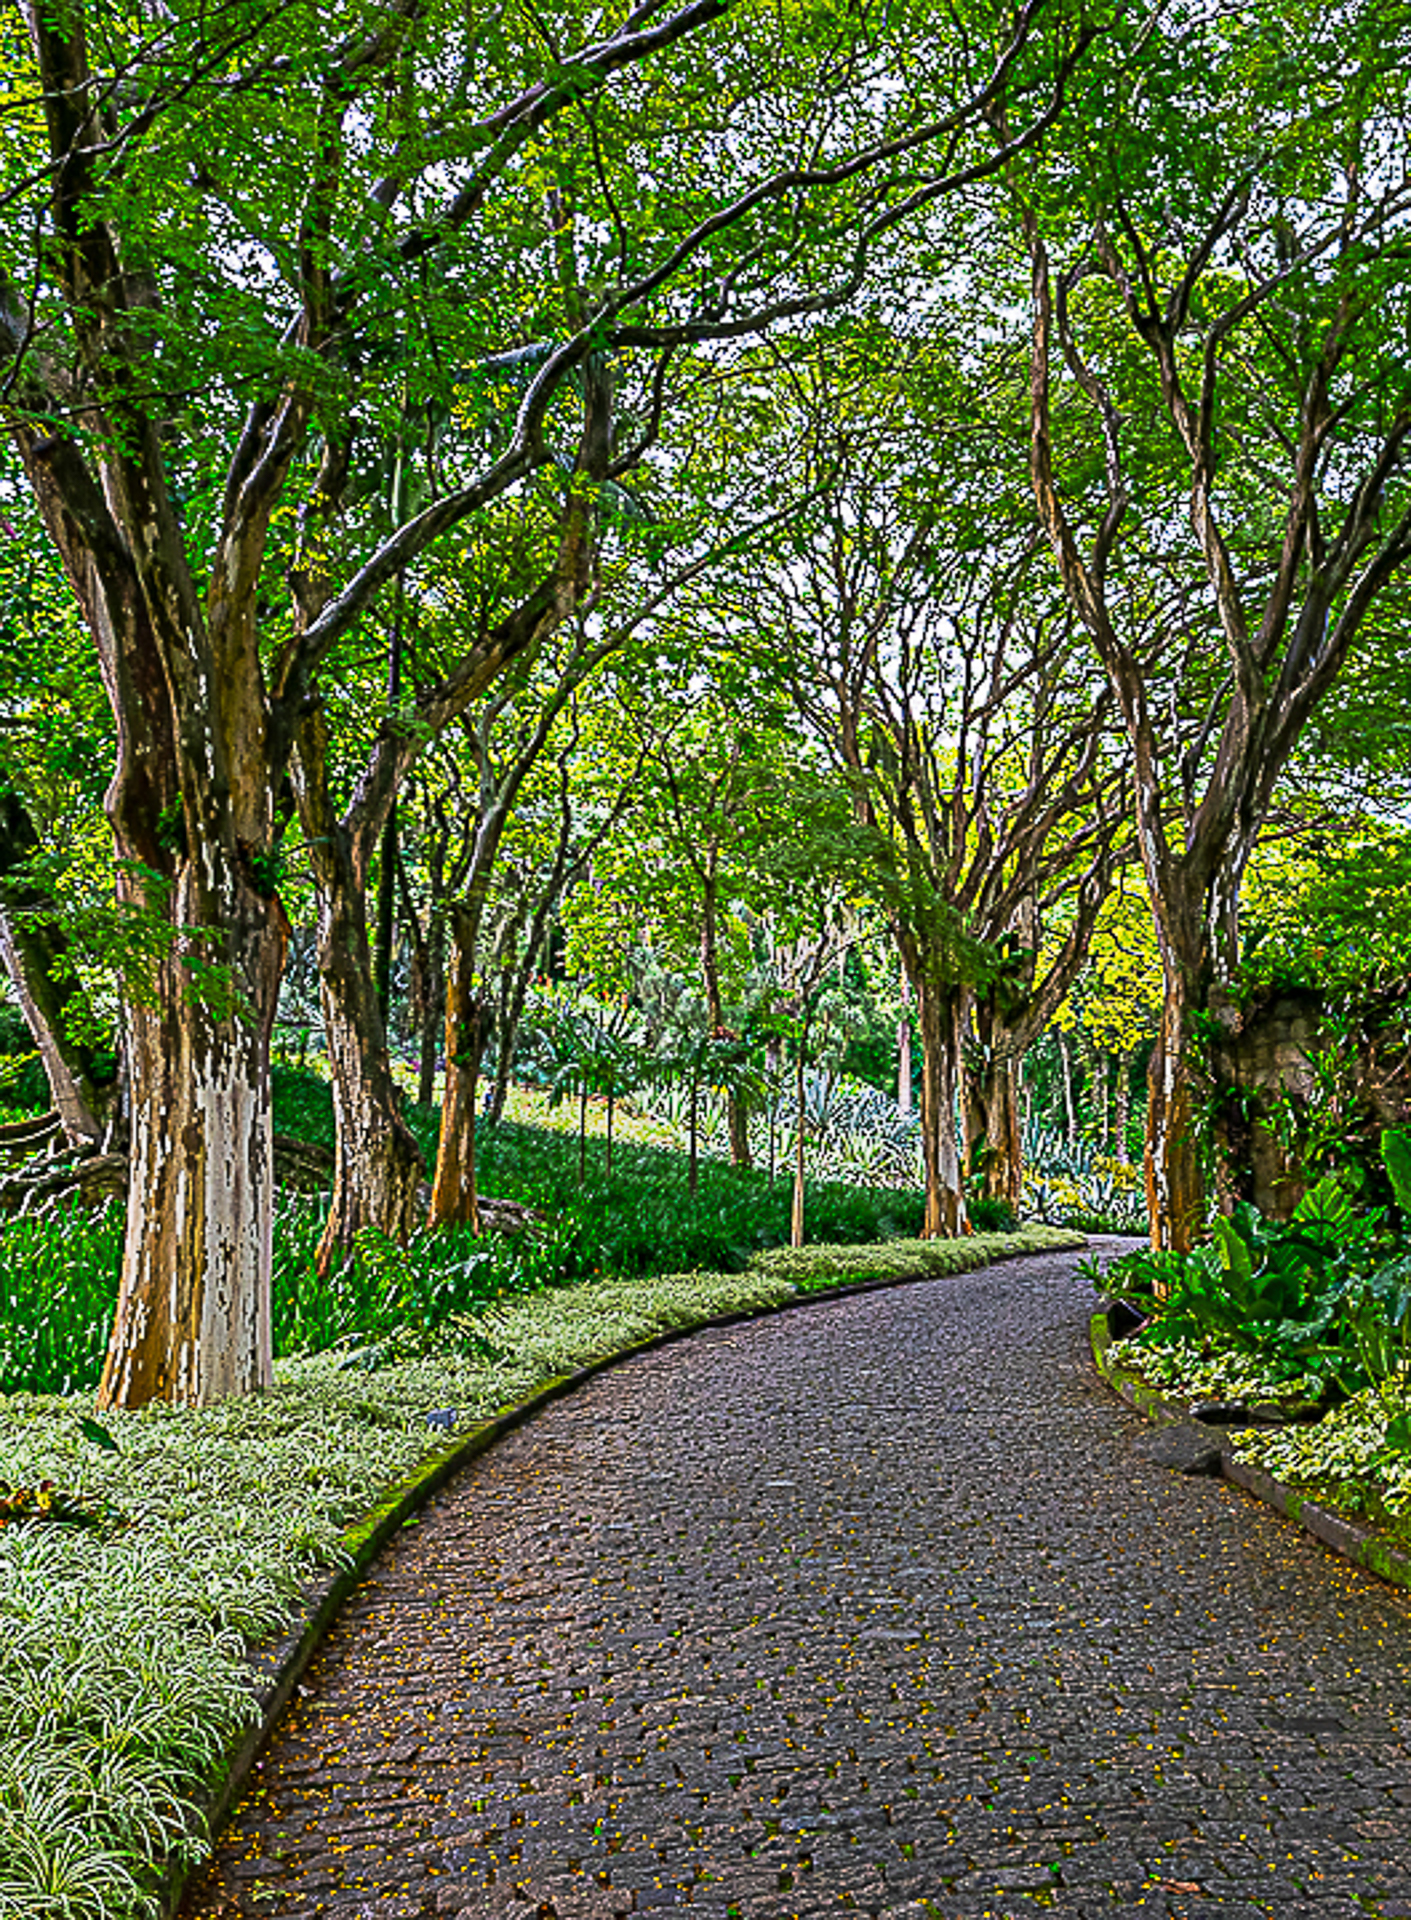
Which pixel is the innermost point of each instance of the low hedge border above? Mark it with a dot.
(1350, 1538)
(817, 1273)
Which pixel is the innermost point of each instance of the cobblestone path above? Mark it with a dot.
(865, 1608)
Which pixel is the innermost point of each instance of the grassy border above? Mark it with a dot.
(1352, 1539)
(280, 1665)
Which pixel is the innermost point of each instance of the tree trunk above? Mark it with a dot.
(796, 1219)
(736, 1108)
(388, 839)
(940, 1010)
(427, 998)
(378, 1168)
(904, 1047)
(38, 993)
(1175, 1182)
(1122, 1105)
(738, 1115)
(468, 1020)
(386, 917)
(193, 1317)
(1095, 1064)
(433, 1020)
(514, 990)
(994, 1142)
(1065, 1066)
(1196, 912)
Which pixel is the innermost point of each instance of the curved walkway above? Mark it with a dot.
(867, 1608)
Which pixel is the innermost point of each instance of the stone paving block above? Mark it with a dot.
(878, 1599)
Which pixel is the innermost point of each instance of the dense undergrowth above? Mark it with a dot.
(58, 1275)
(1307, 1322)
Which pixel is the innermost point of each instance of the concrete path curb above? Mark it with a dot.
(1353, 1541)
(280, 1665)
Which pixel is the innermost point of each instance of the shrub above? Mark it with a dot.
(1317, 1296)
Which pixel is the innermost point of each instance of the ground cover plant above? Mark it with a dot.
(1310, 1319)
(122, 1672)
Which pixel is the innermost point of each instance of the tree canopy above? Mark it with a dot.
(647, 471)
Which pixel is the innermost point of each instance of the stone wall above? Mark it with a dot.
(1262, 1052)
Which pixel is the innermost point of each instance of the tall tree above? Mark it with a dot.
(962, 719)
(233, 243)
(1221, 290)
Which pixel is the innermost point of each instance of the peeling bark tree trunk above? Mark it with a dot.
(193, 1322)
(940, 1012)
(378, 1168)
(993, 1135)
(453, 1194)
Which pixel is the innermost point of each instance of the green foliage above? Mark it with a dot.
(1396, 1158)
(641, 1218)
(1068, 1183)
(1339, 921)
(1213, 1367)
(989, 1215)
(812, 1268)
(393, 1298)
(23, 1086)
(58, 1289)
(1355, 1458)
(638, 1218)
(1317, 1296)
(49, 1505)
(303, 1108)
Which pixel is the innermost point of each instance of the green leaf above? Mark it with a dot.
(1396, 1158)
(1234, 1252)
(95, 1431)
(1399, 1433)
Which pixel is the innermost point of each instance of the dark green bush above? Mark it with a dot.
(991, 1216)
